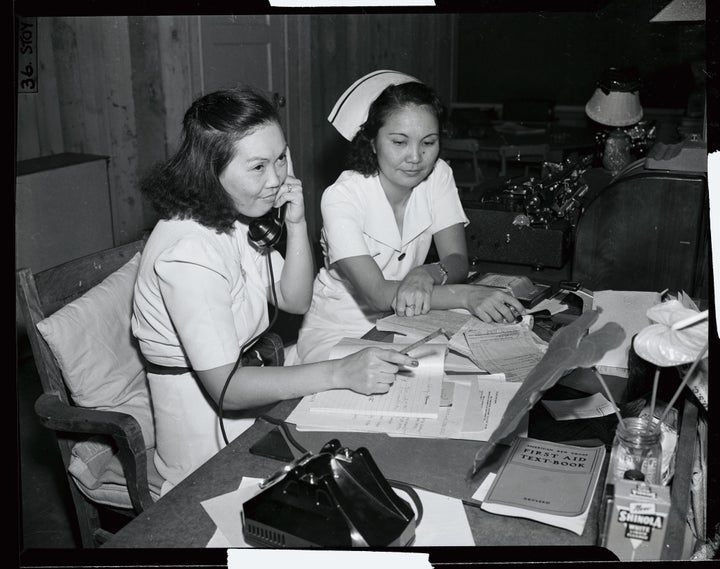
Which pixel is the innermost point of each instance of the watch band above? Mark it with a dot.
(444, 273)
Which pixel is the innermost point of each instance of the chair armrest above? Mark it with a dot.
(122, 427)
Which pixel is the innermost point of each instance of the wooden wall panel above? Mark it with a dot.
(299, 95)
(119, 126)
(180, 73)
(164, 85)
(347, 46)
(39, 131)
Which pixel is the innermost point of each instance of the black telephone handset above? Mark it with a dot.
(266, 231)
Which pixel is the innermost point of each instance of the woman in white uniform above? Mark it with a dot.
(381, 216)
(203, 285)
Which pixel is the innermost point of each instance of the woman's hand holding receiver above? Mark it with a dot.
(291, 193)
(493, 305)
(371, 370)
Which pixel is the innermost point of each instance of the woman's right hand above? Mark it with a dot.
(370, 371)
(493, 305)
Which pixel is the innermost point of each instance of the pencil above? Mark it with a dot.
(424, 340)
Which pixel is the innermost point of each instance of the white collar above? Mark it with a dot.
(380, 224)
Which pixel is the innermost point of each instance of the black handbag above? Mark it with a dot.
(268, 350)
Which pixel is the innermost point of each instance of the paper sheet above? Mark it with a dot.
(459, 363)
(629, 310)
(444, 520)
(487, 404)
(482, 399)
(418, 326)
(583, 408)
(552, 305)
(415, 393)
(510, 350)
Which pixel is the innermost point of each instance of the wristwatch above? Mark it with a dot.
(443, 272)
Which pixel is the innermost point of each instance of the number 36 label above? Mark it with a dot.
(27, 55)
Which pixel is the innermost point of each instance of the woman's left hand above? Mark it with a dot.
(413, 295)
(291, 193)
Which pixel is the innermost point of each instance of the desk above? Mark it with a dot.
(440, 465)
(178, 520)
(563, 140)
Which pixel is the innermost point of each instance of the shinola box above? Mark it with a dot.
(635, 520)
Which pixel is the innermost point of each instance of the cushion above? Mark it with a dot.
(92, 340)
(98, 473)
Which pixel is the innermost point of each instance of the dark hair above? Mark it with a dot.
(187, 185)
(362, 158)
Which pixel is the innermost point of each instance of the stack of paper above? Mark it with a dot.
(461, 388)
(424, 402)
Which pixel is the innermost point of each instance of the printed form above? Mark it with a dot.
(508, 349)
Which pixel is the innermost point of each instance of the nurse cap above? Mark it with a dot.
(351, 109)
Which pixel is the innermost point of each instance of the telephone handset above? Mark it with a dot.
(266, 231)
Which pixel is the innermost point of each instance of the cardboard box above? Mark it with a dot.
(635, 520)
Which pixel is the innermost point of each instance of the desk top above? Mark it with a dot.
(439, 465)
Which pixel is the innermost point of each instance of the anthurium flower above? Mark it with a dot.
(664, 343)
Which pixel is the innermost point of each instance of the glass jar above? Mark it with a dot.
(637, 446)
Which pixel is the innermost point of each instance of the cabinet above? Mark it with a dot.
(62, 210)
(645, 230)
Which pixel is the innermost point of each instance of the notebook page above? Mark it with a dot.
(415, 393)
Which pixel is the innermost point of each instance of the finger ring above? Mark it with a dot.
(409, 306)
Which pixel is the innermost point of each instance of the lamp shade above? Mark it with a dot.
(616, 101)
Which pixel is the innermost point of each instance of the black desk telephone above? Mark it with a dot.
(337, 498)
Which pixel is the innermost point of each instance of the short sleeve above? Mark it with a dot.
(196, 288)
(342, 223)
(446, 205)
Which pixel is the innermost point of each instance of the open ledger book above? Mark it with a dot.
(548, 482)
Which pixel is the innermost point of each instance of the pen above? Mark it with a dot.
(424, 340)
(518, 316)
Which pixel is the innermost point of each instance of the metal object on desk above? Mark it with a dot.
(530, 221)
(336, 498)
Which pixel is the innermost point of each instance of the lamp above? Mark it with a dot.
(616, 103)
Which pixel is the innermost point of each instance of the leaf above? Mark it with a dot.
(570, 347)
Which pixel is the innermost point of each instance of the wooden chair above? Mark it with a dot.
(528, 155)
(43, 294)
(462, 155)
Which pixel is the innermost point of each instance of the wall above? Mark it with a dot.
(346, 47)
(111, 86)
(118, 86)
(560, 55)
